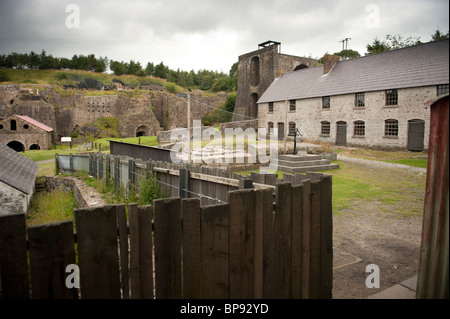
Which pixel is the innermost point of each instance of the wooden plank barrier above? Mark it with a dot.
(250, 247)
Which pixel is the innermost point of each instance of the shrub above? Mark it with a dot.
(149, 190)
(3, 76)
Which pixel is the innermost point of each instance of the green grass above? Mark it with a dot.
(42, 155)
(59, 78)
(51, 207)
(415, 162)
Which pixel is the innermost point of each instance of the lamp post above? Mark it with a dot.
(189, 122)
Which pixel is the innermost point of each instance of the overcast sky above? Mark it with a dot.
(209, 34)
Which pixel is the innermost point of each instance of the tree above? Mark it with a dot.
(150, 69)
(348, 54)
(161, 71)
(438, 35)
(392, 42)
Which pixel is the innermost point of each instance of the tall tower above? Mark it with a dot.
(257, 70)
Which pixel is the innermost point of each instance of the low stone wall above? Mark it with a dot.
(240, 124)
(67, 184)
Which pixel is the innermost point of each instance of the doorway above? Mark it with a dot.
(280, 131)
(416, 135)
(341, 133)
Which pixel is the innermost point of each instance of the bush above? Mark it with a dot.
(3, 76)
(149, 190)
(171, 87)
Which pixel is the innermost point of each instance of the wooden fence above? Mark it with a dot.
(249, 247)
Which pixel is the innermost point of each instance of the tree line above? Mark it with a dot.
(203, 79)
(390, 42)
(206, 80)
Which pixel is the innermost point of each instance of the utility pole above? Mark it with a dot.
(189, 122)
(346, 42)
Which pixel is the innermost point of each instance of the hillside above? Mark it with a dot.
(71, 80)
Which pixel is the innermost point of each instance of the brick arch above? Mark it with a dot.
(17, 146)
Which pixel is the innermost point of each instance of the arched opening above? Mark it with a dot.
(35, 147)
(254, 71)
(13, 125)
(17, 146)
(142, 131)
(253, 111)
(301, 66)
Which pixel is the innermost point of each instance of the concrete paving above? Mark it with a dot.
(404, 290)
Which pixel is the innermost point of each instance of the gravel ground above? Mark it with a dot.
(387, 234)
(380, 164)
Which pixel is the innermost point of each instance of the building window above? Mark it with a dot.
(270, 127)
(360, 128)
(392, 97)
(360, 100)
(270, 107)
(391, 128)
(13, 125)
(291, 128)
(326, 101)
(326, 128)
(292, 105)
(26, 126)
(442, 89)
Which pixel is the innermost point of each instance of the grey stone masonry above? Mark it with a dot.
(304, 163)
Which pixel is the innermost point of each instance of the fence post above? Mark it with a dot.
(184, 183)
(71, 163)
(116, 172)
(131, 170)
(245, 183)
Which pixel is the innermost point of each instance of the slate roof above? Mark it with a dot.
(34, 122)
(17, 170)
(421, 65)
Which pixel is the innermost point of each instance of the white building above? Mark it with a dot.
(17, 181)
(379, 100)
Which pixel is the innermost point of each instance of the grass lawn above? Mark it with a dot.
(43, 155)
(392, 190)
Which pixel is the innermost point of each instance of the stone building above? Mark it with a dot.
(380, 100)
(17, 181)
(23, 133)
(257, 70)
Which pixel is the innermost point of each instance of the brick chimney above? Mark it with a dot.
(329, 61)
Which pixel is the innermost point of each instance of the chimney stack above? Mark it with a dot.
(329, 61)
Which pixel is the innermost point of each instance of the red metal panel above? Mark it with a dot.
(433, 277)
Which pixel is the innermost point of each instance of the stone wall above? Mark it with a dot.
(257, 71)
(147, 113)
(13, 201)
(25, 133)
(309, 114)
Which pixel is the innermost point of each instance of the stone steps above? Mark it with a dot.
(303, 163)
(304, 169)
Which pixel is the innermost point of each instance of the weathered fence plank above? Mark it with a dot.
(141, 253)
(123, 250)
(192, 249)
(315, 234)
(167, 216)
(51, 251)
(146, 252)
(215, 248)
(241, 253)
(98, 252)
(263, 208)
(283, 241)
(306, 237)
(326, 239)
(13, 257)
(297, 240)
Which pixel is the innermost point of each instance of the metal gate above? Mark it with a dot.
(341, 133)
(416, 134)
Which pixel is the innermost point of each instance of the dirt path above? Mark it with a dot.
(380, 232)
